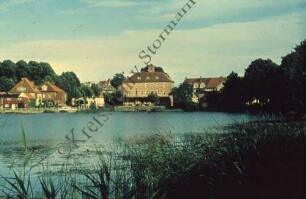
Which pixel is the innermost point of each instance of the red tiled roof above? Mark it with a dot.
(103, 83)
(26, 85)
(50, 87)
(148, 77)
(210, 83)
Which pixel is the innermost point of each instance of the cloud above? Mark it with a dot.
(107, 3)
(211, 51)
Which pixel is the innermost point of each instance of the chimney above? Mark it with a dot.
(151, 68)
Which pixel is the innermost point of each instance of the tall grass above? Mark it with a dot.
(251, 160)
(24, 137)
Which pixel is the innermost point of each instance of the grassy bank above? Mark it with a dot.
(251, 160)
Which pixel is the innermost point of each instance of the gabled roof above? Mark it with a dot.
(24, 86)
(50, 87)
(107, 88)
(210, 83)
(103, 83)
(148, 77)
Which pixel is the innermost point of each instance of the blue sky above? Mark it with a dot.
(97, 38)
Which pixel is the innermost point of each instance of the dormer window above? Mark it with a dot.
(21, 89)
(44, 88)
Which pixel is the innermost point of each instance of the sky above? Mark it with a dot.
(98, 38)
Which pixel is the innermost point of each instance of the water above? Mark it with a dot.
(46, 132)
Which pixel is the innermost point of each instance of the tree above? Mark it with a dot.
(6, 84)
(264, 82)
(114, 99)
(153, 97)
(232, 94)
(39, 71)
(117, 80)
(293, 66)
(22, 70)
(96, 90)
(8, 69)
(70, 83)
(183, 97)
(86, 91)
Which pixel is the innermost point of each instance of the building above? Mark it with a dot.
(106, 87)
(29, 89)
(87, 102)
(15, 100)
(203, 85)
(137, 87)
(52, 94)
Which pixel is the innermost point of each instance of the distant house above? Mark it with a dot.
(106, 87)
(15, 100)
(137, 87)
(52, 93)
(29, 89)
(87, 102)
(202, 85)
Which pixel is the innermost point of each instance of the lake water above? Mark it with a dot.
(48, 131)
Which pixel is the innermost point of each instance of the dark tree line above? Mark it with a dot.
(266, 87)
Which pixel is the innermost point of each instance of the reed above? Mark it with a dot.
(249, 160)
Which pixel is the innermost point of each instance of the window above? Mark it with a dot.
(44, 88)
(156, 77)
(147, 78)
(139, 78)
(21, 89)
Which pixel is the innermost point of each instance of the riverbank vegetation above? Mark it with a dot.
(263, 159)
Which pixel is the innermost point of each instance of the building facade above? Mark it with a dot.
(106, 87)
(137, 87)
(53, 94)
(13, 101)
(28, 88)
(203, 85)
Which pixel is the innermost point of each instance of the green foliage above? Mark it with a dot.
(244, 158)
(86, 91)
(6, 83)
(264, 81)
(24, 137)
(183, 97)
(153, 97)
(18, 187)
(8, 69)
(294, 67)
(232, 93)
(70, 83)
(92, 106)
(279, 89)
(96, 90)
(50, 191)
(114, 99)
(117, 80)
